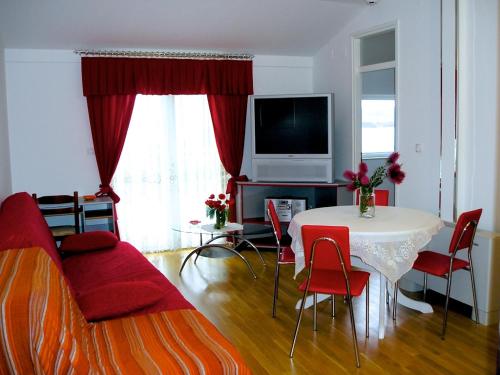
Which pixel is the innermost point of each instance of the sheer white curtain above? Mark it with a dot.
(168, 167)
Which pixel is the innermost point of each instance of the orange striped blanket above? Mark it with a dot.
(42, 331)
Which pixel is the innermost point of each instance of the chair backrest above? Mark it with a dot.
(381, 197)
(275, 221)
(326, 256)
(465, 229)
(62, 205)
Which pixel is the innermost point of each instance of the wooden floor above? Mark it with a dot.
(240, 307)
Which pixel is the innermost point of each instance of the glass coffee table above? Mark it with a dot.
(237, 235)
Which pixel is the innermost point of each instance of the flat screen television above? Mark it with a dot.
(292, 126)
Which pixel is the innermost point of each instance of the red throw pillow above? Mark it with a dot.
(118, 299)
(88, 241)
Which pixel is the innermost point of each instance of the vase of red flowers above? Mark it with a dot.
(366, 185)
(218, 208)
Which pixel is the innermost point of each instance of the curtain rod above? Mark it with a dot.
(164, 54)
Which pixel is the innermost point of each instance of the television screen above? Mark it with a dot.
(294, 125)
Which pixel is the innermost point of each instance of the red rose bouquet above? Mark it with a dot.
(218, 208)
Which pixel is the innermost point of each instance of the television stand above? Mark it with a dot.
(251, 195)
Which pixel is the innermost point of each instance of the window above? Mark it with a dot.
(377, 122)
(169, 166)
(378, 93)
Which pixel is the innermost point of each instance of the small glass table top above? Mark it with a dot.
(250, 230)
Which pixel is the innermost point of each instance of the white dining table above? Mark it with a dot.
(388, 243)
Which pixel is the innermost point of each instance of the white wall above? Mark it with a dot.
(5, 178)
(51, 143)
(276, 75)
(479, 137)
(418, 88)
(48, 123)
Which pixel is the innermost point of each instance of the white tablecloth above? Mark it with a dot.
(389, 242)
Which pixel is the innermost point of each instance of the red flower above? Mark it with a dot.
(395, 173)
(351, 187)
(364, 180)
(350, 175)
(227, 201)
(223, 207)
(212, 196)
(222, 196)
(393, 158)
(363, 169)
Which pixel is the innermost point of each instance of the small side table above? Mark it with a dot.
(236, 232)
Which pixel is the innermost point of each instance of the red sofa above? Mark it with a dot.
(120, 266)
(114, 282)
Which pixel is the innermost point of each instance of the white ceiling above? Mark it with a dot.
(277, 27)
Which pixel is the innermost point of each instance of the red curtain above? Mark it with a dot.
(109, 117)
(229, 117)
(110, 85)
(123, 76)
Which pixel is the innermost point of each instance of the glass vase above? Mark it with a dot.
(220, 219)
(366, 203)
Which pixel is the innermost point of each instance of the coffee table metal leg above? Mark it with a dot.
(256, 250)
(197, 255)
(201, 248)
(242, 240)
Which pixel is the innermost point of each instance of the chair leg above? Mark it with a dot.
(333, 305)
(448, 290)
(297, 325)
(425, 286)
(315, 312)
(395, 300)
(368, 309)
(276, 284)
(354, 336)
(474, 295)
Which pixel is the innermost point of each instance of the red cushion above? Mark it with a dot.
(90, 270)
(287, 255)
(333, 282)
(22, 225)
(88, 241)
(118, 299)
(437, 264)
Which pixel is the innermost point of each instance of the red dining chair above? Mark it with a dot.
(381, 197)
(284, 254)
(437, 264)
(328, 258)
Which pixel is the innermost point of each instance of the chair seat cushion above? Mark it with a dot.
(436, 263)
(89, 241)
(333, 282)
(118, 299)
(287, 256)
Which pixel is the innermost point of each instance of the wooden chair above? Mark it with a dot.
(284, 254)
(60, 205)
(327, 256)
(381, 197)
(441, 265)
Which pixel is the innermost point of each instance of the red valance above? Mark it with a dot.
(129, 76)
